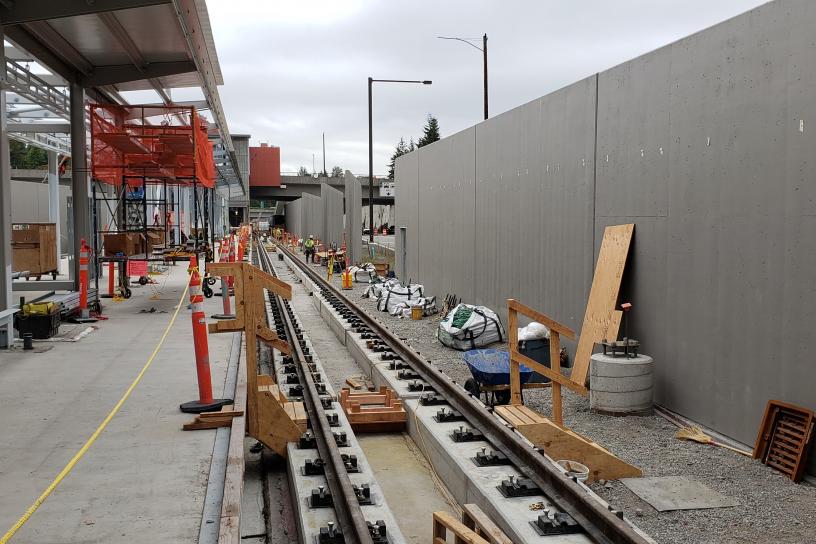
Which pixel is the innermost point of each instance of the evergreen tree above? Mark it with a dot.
(302, 171)
(399, 151)
(430, 132)
(337, 172)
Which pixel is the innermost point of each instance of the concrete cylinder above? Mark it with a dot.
(621, 386)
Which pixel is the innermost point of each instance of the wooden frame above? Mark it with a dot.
(444, 522)
(554, 374)
(270, 417)
(474, 519)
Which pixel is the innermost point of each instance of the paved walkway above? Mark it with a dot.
(144, 479)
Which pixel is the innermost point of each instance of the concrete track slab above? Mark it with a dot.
(144, 479)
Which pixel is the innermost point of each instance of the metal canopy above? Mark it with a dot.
(110, 46)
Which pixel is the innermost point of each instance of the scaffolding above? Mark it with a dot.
(143, 153)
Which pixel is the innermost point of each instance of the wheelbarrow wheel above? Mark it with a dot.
(472, 387)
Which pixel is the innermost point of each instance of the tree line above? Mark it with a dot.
(430, 134)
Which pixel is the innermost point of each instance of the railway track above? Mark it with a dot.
(603, 525)
(353, 527)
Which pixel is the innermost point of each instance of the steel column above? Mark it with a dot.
(6, 331)
(53, 197)
(79, 174)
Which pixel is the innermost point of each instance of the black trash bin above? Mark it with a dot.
(538, 351)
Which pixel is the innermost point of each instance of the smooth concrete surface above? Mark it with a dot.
(402, 471)
(144, 479)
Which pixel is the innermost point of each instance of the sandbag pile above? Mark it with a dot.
(469, 327)
(365, 273)
(404, 309)
(395, 293)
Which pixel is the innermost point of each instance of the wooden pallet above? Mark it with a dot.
(562, 443)
(784, 438)
(373, 412)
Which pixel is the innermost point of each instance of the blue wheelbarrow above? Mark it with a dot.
(491, 375)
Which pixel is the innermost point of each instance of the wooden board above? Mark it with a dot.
(474, 519)
(560, 443)
(444, 522)
(602, 296)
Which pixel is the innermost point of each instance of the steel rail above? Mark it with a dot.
(349, 513)
(602, 525)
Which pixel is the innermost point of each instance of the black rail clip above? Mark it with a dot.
(326, 402)
(341, 439)
(397, 365)
(519, 487)
(296, 391)
(321, 498)
(430, 399)
(330, 535)
(378, 532)
(363, 493)
(292, 378)
(416, 385)
(333, 420)
(290, 369)
(314, 468)
(491, 458)
(463, 434)
(561, 524)
(321, 388)
(445, 415)
(307, 441)
(407, 374)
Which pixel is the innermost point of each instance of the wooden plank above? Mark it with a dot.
(515, 378)
(561, 443)
(222, 414)
(473, 518)
(614, 326)
(207, 423)
(265, 379)
(603, 295)
(271, 283)
(234, 476)
(547, 321)
(555, 362)
(548, 372)
(444, 520)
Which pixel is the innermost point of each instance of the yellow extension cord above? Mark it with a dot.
(87, 445)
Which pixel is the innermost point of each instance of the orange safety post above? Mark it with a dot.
(83, 281)
(111, 284)
(193, 266)
(205, 402)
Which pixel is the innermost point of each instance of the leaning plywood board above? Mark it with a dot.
(600, 311)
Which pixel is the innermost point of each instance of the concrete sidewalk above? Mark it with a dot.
(144, 479)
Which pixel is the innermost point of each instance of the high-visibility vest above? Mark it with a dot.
(309, 244)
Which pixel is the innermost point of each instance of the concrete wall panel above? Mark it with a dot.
(446, 234)
(353, 221)
(294, 217)
(407, 216)
(312, 212)
(332, 232)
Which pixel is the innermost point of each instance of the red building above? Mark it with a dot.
(264, 166)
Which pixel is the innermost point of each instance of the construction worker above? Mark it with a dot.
(309, 248)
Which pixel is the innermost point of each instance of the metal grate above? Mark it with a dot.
(784, 437)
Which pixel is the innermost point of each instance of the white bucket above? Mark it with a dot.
(574, 468)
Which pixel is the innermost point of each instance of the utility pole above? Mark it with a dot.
(324, 153)
(483, 49)
(484, 55)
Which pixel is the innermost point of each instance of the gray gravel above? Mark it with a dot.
(773, 509)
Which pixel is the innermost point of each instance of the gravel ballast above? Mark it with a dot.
(772, 508)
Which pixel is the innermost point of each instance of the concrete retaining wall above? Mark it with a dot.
(706, 145)
(353, 220)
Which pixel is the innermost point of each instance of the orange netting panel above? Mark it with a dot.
(132, 144)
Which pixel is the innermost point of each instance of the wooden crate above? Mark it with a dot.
(34, 247)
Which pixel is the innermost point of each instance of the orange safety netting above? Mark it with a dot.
(136, 144)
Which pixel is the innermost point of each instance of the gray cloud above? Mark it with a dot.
(294, 69)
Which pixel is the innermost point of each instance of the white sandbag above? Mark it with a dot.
(391, 295)
(469, 327)
(404, 309)
(364, 273)
(533, 331)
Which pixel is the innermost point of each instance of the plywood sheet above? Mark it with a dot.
(603, 295)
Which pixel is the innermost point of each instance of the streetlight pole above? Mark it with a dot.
(483, 49)
(371, 81)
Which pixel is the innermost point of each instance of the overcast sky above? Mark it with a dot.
(294, 69)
